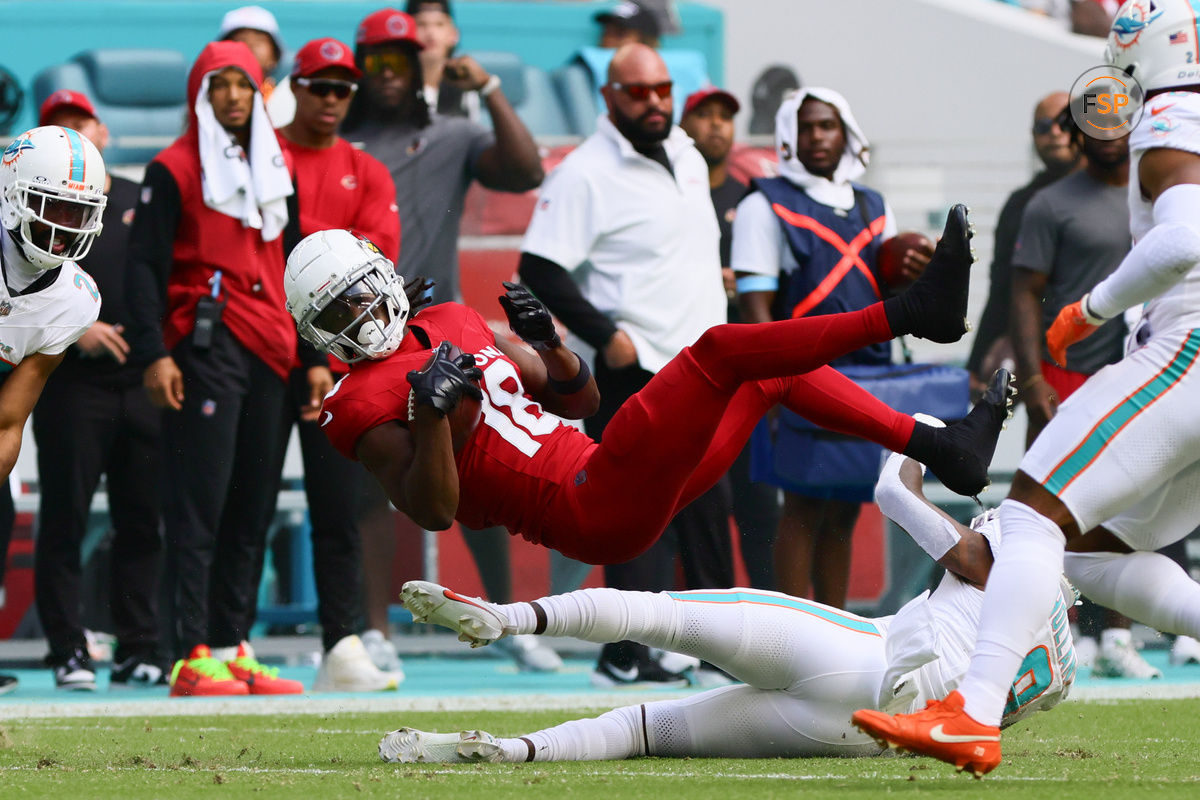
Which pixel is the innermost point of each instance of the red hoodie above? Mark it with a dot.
(207, 241)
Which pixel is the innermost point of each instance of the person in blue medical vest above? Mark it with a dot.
(805, 243)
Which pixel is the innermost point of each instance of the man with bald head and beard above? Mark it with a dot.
(1059, 155)
(623, 248)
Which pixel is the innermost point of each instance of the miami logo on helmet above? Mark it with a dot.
(1128, 28)
(15, 148)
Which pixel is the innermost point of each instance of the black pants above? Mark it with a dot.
(220, 459)
(756, 508)
(331, 486)
(699, 533)
(8, 519)
(82, 431)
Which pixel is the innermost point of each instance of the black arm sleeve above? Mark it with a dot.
(554, 287)
(308, 354)
(291, 231)
(150, 260)
(993, 324)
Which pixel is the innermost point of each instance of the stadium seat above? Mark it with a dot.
(578, 83)
(139, 94)
(530, 91)
(574, 85)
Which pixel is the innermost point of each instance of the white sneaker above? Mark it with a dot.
(1086, 650)
(1186, 650)
(411, 746)
(348, 667)
(382, 652)
(476, 621)
(530, 654)
(1118, 658)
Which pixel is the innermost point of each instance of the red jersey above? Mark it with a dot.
(341, 187)
(515, 460)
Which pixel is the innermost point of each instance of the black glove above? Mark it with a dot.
(445, 378)
(529, 318)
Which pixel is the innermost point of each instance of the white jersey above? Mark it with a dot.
(930, 641)
(1170, 121)
(49, 320)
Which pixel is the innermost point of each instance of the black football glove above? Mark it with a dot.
(529, 318)
(444, 379)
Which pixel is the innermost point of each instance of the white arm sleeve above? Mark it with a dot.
(1159, 260)
(934, 533)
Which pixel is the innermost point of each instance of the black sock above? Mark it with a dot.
(922, 444)
(897, 315)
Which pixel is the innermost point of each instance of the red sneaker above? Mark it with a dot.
(260, 679)
(201, 675)
(942, 731)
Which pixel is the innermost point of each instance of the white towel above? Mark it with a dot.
(838, 192)
(253, 191)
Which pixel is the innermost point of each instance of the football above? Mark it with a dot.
(891, 257)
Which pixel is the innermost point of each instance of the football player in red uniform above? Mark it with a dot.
(458, 424)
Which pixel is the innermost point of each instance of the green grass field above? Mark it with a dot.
(1079, 750)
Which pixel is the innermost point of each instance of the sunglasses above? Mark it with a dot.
(641, 91)
(394, 62)
(1043, 125)
(323, 87)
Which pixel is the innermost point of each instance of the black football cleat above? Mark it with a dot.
(964, 450)
(935, 306)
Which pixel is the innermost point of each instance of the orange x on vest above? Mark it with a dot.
(850, 255)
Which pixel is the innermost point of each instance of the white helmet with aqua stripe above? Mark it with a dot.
(52, 183)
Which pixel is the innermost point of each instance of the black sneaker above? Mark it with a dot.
(8, 683)
(627, 665)
(964, 450)
(73, 672)
(935, 306)
(137, 673)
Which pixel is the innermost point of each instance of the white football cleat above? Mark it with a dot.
(381, 650)
(1186, 650)
(476, 621)
(1119, 658)
(348, 667)
(411, 746)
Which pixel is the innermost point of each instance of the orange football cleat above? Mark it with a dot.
(260, 679)
(201, 675)
(942, 731)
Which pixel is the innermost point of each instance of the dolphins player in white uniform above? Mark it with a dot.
(51, 200)
(805, 665)
(1116, 473)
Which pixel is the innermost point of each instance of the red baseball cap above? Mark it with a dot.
(320, 54)
(387, 25)
(65, 98)
(708, 93)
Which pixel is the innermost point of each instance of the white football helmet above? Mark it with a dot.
(52, 194)
(1155, 41)
(345, 296)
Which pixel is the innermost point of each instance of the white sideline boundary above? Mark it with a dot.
(591, 701)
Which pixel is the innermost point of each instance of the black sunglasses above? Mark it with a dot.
(323, 87)
(641, 91)
(1043, 125)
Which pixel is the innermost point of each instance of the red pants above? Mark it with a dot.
(672, 440)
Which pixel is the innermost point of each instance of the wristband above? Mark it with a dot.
(489, 86)
(574, 384)
(1031, 381)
